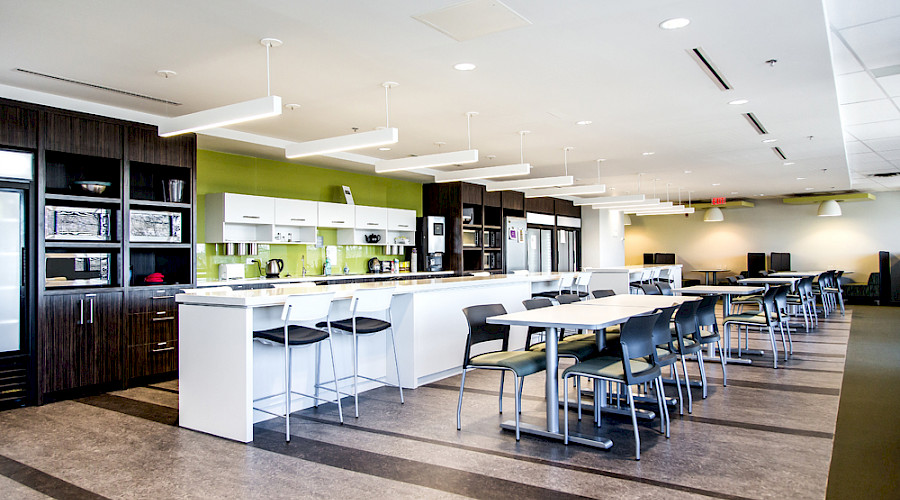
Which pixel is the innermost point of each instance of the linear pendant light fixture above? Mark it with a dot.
(610, 200)
(597, 188)
(434, 160)
(231, 114)
(483, 173)
(648, 203)
(371, 139)
(541, 182)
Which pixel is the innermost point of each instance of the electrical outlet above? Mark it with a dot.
(250, 261)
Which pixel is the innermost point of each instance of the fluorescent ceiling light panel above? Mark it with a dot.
(359, 140)
(483, 173)
(566, 191)
(610, 200)
(427, 161)
(246, 111)
(563, 180)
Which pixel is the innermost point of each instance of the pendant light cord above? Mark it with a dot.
(469, 128)
(387, 106)
(268, 75)
(522, 147)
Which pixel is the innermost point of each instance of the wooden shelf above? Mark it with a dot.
(160, 245)
(471, 248)
(156, 204)
(99, 245)
(82, 198)
(471, 226)
(492, 227)
(492, 249)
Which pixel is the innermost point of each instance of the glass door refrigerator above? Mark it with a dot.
(15, 180)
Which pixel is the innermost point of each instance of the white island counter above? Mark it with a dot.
(221, 369)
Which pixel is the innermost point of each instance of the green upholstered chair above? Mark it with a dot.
(637, 365)
(520, 363)
(766, 318)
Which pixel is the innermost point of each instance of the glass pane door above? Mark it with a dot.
(11, 251)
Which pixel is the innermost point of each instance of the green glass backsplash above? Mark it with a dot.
(228, 173)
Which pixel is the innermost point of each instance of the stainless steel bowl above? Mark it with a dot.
(93, 187)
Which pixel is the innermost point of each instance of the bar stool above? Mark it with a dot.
(299, 309)
(369, 301)
(564, 286)
(582, 286)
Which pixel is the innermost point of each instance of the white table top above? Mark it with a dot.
(794, 274)
(630, 300)
(571, 316)
(770, 281)
(719, 290)
(710, 270)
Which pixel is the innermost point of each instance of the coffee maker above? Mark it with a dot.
(432, 235)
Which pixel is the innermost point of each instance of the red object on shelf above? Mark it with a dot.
(154, 278)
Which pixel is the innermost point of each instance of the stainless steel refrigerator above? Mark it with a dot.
(540, 255)
(515, 248)
(567, 250)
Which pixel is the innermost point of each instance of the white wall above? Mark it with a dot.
(850, 242)
(602, 238)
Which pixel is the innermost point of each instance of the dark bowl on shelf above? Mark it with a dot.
(93, 187)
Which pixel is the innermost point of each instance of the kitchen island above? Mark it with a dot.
(221, 369)
(617, 278)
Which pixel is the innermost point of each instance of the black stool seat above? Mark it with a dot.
(521, 362)
(297, 335)
(363, 325)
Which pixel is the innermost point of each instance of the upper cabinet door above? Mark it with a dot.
(336, 215)
(296, 212)
(145, 145)
(249, 209)
(83, 136)
(401, 220)
(371, 217)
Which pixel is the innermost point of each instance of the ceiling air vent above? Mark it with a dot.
(758, 127)
(883, 175)
(709, 68)
(98, 87)
(780, 153)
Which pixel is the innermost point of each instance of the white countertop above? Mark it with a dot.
(572, 316)
(275, 296)
(304, 279)
(628, 269)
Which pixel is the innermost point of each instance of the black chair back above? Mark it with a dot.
(482, 331)
(732, 280)
(665, 288)
(686, 322)
(662, 334)
(567, 298)
(535, 304)
(637, 342)
(780, 298)
(768, 302)
(599, 294)
(650, 289)
(706, 311)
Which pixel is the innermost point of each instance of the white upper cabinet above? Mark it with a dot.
(296, 212)
(401, 220)
(369, 218)
(248, 209)
(336, 215)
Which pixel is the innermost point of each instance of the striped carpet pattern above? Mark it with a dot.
(768, 434)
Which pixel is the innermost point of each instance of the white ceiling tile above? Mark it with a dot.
(891, 84)
(842, 13)
(878, 43)
(856, 147)
(843, 59)
(876, 130)
(892, 156)
(868, 111)
(863, 159)
(888, 144)
(856, 87)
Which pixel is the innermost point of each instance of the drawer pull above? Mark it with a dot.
(371, 223)
(337, 222)
(163, 350)
(250, 216)
(402, 225)
(298, 219)
(167, 318)
(163, 297)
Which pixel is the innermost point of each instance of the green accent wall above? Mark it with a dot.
(229, 173)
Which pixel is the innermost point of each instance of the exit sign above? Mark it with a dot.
(718, 201)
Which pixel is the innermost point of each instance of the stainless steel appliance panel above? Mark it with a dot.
(546, 250)
(435, 236)
(77, 269)
(539, 248)
(75, 223)
(566, 250)
(155, 226)
(515, 244)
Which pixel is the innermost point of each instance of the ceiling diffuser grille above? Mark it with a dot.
(709, 68)
(754, 122)
(98, 87)
(780, 153)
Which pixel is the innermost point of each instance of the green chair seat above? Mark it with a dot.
(580, 349)
(521, 362)
(578, 337)
(611, 368)
(755, 318)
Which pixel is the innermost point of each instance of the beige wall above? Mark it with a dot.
(850, 242)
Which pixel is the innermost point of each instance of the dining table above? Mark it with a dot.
(707, 272)
(726, 291)
(771, 280)
(638, 300)
(794, 274)
(554, 319)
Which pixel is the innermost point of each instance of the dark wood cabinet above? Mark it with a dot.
(540, 205)
(152, 336)
(18, 127)
(566, 208)
(146, 146)
(82, 340)
(68, 133)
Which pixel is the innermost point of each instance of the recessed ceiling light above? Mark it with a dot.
(808, 189)
(292, 106)
(801, 178)
(717, 183)
(768, 141)
(788, 163)
(166, 73)
(648, 153)
(674, 23)
(688, 171)
(384, 149)
(734, 192)
(738, 101)
(464, 66)
(761, 194)
(584, 122)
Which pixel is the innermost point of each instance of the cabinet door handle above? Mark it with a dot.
(250, 216)
(81, 314)
(163, 350)
(371, 223)
(337, 222)
(298, 219)
(166, 318)
(402, 225)
(91, 317)
(160, 297)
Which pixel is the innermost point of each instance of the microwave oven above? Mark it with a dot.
(154, 226)
(78, 269)
(77, 223)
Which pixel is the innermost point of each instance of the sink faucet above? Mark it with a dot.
(303, 266)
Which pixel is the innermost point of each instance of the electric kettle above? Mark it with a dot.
(274, 267)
